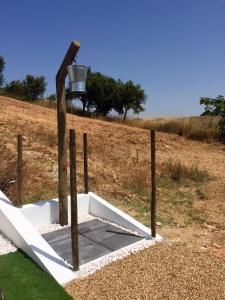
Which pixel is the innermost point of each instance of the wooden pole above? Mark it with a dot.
(85, 143)
(19, 177)
(73, 194)
(61, 120)
(153, 179)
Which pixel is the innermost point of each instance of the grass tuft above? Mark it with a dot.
(177, 171)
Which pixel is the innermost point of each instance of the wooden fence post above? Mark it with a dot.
(153, 179)
(19, 176)
(85, 143)
(61, 121)
(73, 195)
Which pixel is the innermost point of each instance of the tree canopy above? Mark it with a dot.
(131, 97)
(2, 66)
(31, 88)
(35, 87)
(105, 94)
(215, 107)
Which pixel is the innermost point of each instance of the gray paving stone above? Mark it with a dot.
(119, 240)
(96, 239)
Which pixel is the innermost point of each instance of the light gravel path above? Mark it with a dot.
(164, 271)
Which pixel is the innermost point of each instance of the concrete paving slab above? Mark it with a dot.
(96, 239)
(90, 226)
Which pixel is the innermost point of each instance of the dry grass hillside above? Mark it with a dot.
(191, 178)
(190, 182)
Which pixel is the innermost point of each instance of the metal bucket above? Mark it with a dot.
(77, 78)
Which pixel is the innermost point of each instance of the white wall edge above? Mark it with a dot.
(21, 232)
(19, 225)
(102, 209)
(43, 213)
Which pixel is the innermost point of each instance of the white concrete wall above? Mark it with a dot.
(102, 209)
(41, 213)
(47, 212)
(21, 232)
(18, 224)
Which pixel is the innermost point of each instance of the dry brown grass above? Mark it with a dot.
(203, 128)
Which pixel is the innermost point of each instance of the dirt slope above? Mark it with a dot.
(191, 213)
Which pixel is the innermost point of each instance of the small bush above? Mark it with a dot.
(176, 171)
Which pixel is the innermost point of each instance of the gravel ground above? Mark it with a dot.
(164, 271)
(97, 264)
(53, 227)
(5, 245)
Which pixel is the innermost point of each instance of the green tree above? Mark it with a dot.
(102, 93)
(31, 88)
(16, 88)
(215, 107)
(35, 87)
(2, 66)
(132, 97)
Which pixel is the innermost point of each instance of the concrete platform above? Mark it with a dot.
(21, 226)
(96, 239)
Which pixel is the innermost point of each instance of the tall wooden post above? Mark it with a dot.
(73, 195)
(153, 179)
(61, 120)
(85, 144)
(19, 177)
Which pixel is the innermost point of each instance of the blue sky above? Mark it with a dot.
(174, 48)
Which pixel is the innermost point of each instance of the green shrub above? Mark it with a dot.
(176, 171)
